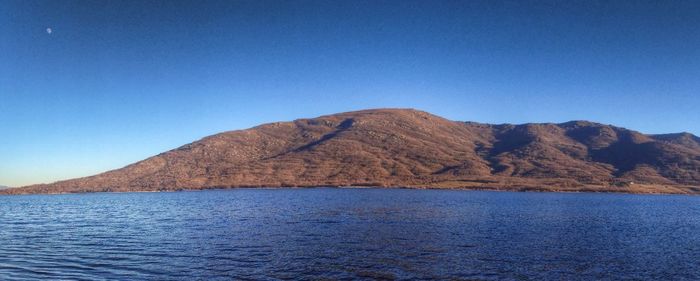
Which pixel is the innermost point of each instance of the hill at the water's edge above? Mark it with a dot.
(410, 148)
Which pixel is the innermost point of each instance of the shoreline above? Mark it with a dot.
(487, 189)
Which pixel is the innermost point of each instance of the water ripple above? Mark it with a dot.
(344, 234)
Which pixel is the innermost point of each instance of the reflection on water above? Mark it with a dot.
(349, 234)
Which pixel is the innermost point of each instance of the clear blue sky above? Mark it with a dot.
(118, 81)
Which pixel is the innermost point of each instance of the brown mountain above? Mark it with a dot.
(410, 148)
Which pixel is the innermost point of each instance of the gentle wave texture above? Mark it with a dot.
(329, 234)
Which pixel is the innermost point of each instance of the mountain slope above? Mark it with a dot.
(410, 148)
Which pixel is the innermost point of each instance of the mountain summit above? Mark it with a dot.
(411, 148)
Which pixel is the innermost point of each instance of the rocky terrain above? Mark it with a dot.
(410, 148)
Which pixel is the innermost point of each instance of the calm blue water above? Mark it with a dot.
(349, 234)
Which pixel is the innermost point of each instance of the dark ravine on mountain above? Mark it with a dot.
(410, 148)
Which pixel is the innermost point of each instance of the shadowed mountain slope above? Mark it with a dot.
(410, 148)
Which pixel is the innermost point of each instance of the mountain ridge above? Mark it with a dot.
(412, 148)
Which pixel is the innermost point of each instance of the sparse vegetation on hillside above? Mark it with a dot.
(410, 148)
